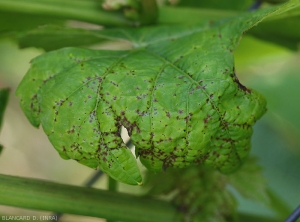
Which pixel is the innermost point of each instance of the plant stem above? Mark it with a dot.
(89, 183)
(4, 93)
(49, 196)
(181, 15)
(149, 12)
(91, 11)
(112, 184)
(88, 11)
(93, 179)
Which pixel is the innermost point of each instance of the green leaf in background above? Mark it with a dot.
(51, 37)
(249, 181)
(281, 168)
(4, 93)
(273, 70)
(11, 22)
(176, 93)
(283, 115)
(283, 31)
(276, 138)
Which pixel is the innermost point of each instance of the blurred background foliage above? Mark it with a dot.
(267, 60)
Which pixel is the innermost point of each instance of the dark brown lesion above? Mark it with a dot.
(241, 86)
(236, 80)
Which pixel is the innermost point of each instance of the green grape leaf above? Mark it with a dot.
(176, 92)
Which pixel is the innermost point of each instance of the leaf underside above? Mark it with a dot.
(176, 92)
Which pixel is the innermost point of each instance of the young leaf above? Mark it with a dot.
(176, 92)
